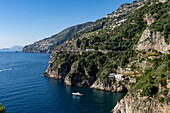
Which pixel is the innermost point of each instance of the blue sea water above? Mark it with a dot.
(23, 89)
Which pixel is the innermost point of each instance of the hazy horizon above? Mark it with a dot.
(24, 22)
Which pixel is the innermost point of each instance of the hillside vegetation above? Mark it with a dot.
(132, 41)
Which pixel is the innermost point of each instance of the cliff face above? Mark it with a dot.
(111, 86)
(150, 93)
(48, 44)
(79, 76)
(136, 104)
(72, 73)
(152, 40)
(75, 75)
(60, 72)
(133, 102)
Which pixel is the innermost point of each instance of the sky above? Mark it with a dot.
(23, 22)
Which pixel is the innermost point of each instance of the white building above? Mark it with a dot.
(116, 76)
(112, 75)
(119, 76)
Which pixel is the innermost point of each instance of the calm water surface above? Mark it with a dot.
(24, 90)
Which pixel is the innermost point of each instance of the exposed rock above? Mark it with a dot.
(168, 83)
(149, 19)
(67, 80)
(60, 72)
(79, 76)
(135, 104)
(73, 74)
(152, 40)
(109, 86)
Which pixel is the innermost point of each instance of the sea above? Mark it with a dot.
(24, 89)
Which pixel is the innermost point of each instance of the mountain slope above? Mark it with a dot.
(134, 44)
(48, 44)
(94, 52)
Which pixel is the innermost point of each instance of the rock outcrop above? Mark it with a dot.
(77, 76)
(73, 74)
(149, 19)
(110, 86)
(60, 72)
(136, 104)
(152, 40)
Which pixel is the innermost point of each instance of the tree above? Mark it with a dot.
(2, 109)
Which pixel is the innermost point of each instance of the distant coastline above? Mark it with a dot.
(15, 48)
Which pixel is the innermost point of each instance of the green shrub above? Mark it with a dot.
(167, 100)
(161, 99)
(120, 83)
(2, 109)
(131, 85)
(149, 77)
(165, 92)
(149, 90)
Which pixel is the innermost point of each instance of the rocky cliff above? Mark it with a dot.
(150, 93)
(136, 104)
(133, 102)
(65, 65)
(152, 40)
(115, 86)
(48, 44)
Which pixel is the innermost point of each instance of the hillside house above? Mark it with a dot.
(112, 75)
(116, 76)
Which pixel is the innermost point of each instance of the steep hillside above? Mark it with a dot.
(132, 43)
(88, 56)
(103, 27)
(150, 93)
(48, 44)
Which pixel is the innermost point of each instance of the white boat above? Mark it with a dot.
(78, 94)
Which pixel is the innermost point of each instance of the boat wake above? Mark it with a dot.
(6, 69)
